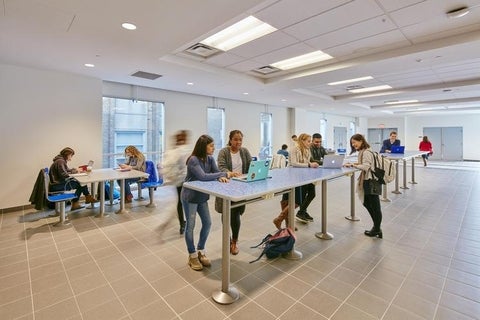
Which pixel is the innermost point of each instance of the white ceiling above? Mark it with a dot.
(410, 45)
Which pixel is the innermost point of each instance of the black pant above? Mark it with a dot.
(308, 194)
(181, 218)
(372, 203)
(71, 184)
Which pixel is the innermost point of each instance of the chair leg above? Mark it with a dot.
(151, 204)
(61, 206)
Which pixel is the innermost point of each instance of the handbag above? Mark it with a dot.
(372, 187)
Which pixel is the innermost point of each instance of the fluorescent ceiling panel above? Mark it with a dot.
(239, 33)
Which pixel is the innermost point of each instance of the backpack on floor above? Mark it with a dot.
(274, 245)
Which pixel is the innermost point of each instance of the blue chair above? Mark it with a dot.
(58, 198)
(152, 182)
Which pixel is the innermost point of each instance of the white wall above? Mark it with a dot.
(42, 112)
(411, 128)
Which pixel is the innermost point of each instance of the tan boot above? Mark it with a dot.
(76, 205)
(90, 199)
(203, 259)
(282, 216)
(233, 247)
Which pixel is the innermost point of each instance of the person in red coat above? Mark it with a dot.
(425, 145)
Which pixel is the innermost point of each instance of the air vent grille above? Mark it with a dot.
(266, 70)
(146, 75)
(202, 50)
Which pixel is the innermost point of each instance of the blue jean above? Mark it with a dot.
(191, 210)
(128, 192)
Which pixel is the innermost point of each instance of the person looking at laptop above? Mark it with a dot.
(60, 180)
(366, 163)
(134, 160)
(234, 159)
(388, 143)
(201, 166)
(317, 150)
(301, 157)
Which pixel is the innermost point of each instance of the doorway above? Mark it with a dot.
(447, 142)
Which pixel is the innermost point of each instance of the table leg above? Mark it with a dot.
(352, 216)
(122, 197)
(102, 200)
(228, 294)
(413, 171)
(111, 201)
(405, 175)
(92, 189)
(293, 254)
(324, 234)
(396, 191)
(384, 194)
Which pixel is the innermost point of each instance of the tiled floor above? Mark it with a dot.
(128, 267)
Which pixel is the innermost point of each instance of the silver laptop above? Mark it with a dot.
(333, 161)
(258, 171)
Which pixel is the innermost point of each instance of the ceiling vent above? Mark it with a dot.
(266, 70)
(202, 50)
(146, 75)
(354, 87)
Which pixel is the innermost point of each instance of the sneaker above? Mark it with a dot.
(309, 217)
(203, 259)
(194, 263)
(300, 216)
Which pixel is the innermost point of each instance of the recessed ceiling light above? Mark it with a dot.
(89, 65)
(239, 33)
(369, 89)
(350, 80)
(129, 26)
(190, 83)
(302, 60)
(401, 101)
(284, 100)
(245, 93)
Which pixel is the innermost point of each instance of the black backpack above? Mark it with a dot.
(274, 245)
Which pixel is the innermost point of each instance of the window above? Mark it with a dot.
(323, 132)
(216, 127)
(129, 122)
(352, 129)
(265, 135)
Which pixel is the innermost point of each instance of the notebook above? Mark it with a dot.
(258, 171)
(333, 161)
(398, 149)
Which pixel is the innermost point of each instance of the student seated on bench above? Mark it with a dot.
(61, 181)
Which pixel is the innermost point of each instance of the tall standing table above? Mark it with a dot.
(281, 181)
(109, 174)
(397, 157)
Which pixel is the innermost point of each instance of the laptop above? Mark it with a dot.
(258, 171)
(333, 161)
(398, 149)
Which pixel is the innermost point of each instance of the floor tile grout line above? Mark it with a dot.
(450, 262)
(28, 268)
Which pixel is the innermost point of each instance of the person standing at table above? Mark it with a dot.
(366, 163)
(60, 179)
(175, 169)
(425, 145)
(200, 166)
(234, 159)
(388, 143)
(134, 160)
(301, 157)
(317, 150)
